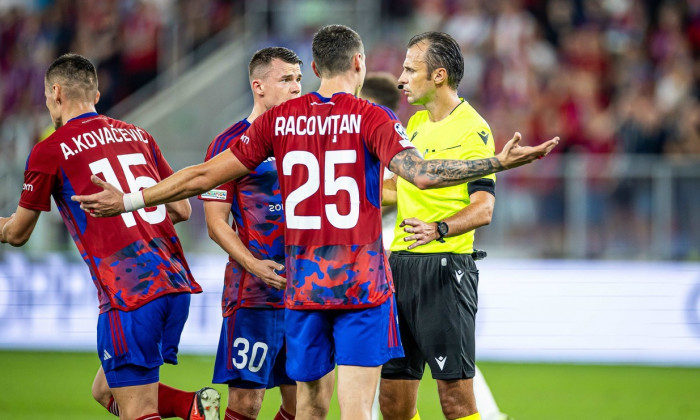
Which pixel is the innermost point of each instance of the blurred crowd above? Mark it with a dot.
(130, 41)
(606, 75)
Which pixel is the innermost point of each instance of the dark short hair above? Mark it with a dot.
(333, 47)
(265, 56)
(443, 52)
(382, 88)
(76, 74)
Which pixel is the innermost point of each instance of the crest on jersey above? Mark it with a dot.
(215, 195)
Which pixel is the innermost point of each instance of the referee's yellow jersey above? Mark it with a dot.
(463, 135)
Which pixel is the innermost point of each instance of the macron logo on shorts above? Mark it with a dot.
(459, 274)
(441, 361)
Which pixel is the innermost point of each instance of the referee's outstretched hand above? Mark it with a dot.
(514, 155)
(421, 232)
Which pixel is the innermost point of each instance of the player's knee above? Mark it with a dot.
(454, 407)
(289, 400)
(393, 407)
(247, 403)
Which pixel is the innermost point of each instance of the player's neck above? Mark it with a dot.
(442, 105)
(342, 83)
(258, 110)
(72, 110)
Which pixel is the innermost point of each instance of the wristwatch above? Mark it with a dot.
(442, 230)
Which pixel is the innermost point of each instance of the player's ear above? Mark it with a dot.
(357, 61)
(97, 97)
(57, 92)
(257, 87)
(313, 67)
(440, 76)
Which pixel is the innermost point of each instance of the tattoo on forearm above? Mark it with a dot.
(411, 165)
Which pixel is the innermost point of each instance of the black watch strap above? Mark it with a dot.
(442, 229)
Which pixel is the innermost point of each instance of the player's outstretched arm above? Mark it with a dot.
(217, 215)
(17, 228)
(182, 184)
(438, 173)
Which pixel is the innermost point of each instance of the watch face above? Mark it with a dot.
(442, 228)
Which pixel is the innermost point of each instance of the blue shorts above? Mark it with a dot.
(133, 344)
(318, 339)
(251, 352)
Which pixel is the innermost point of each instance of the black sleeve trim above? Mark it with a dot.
(483, 184)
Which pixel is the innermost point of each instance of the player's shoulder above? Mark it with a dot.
(233, 132)
(119, 124)
(45, 154)
(469, 116)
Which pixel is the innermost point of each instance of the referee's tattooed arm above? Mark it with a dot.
(438, 173)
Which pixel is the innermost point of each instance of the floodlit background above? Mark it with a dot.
(593, 252)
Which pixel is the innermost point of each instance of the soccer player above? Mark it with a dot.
(381, 88)
(251, 355)
(136, 260)
(431, 254)
(329, 148)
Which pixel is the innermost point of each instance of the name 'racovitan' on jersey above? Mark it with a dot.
(134, 257)
(330, 155)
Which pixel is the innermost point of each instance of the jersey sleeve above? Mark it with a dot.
(223, 193)
(387, 136)
(255, 145)
(480, 145)
(164, 169)
(40, 179)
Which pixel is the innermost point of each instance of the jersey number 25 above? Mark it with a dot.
(331, 186)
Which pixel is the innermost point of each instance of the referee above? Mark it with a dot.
(434, 272)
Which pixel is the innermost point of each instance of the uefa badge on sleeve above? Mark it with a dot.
(405, 142)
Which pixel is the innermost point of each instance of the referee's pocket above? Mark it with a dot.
(465, 282)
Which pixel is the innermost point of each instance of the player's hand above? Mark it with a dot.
(514, 155)
(108, 202)
(422, 232)
(267, 270)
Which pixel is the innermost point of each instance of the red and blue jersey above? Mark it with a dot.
(330, 154)
(258, 218)
(134, 257)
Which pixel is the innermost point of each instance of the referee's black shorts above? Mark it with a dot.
(436, 296)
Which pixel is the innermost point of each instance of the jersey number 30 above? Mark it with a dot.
(103, 166)
(331, 186)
